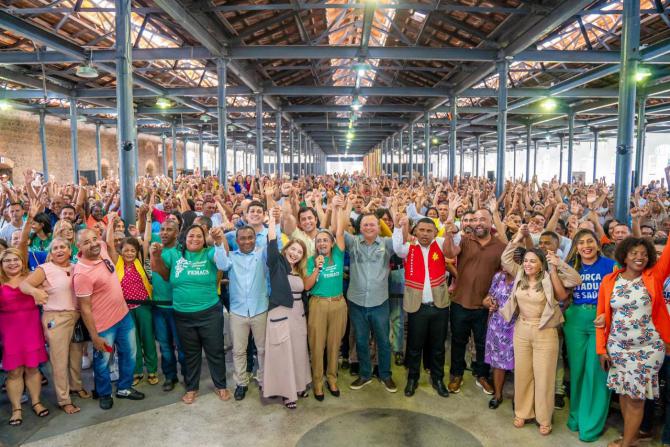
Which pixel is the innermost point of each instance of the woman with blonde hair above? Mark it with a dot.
(20, 335)
(65, 230)
(51, 287)
(539, 284)
(286, 371)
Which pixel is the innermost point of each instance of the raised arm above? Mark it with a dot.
(157, 262)
(507, 258)
(109, 237)
(338, 203)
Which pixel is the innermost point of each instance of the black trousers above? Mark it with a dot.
(426, 327)
(198, 331)
(463, 322)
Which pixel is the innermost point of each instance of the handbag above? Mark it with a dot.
(80, 333)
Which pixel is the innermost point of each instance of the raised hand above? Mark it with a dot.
(217, 235)
(156, 249)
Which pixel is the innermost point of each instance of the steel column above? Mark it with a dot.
(514, 160)
(426, 149)
(528, 143)
(201, 161)
(477, 141)
(280, 164)
(260, 158)
(184, 156)
(164, 154)
(560, 159)
(98, 152)
(393, 165)
(571, 143)
(535, 159)
(595, 154)
(400, 151)
(472, 160)
(291, 135)
(411, 151)
(630, 54)
(641, 136)
(74, 140)
(300, 142)
(125, 112)
(174, 151)
(462, 161)
(221, 115)
(452, 139)
(43, 143)
(503, 68)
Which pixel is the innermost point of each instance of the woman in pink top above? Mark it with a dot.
(21, 335)
(51, 286)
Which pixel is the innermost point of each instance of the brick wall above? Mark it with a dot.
(20, 147)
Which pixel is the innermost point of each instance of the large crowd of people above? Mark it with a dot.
(315, 274)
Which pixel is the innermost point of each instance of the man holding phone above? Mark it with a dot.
(106, 316)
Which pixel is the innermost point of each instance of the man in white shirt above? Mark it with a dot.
(426, 300)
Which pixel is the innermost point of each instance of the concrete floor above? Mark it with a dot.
(162, 420)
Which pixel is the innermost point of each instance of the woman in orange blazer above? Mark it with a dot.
(633, 328)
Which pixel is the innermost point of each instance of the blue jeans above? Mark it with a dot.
(122, 336)
(397, 316)
(166, 334)
(377, 319)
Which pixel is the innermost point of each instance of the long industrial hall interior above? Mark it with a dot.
(386, 223)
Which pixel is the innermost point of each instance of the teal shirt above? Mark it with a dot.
(193, 279)
(162, 290)
(331, 279)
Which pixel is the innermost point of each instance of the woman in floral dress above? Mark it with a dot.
(631, 339)
(499, 335)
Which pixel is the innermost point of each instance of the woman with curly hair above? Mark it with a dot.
(631, 339)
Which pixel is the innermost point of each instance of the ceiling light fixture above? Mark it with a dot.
(163, 103)
(87, 71)
(549, 104)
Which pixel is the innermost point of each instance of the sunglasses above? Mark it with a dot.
(109, 265)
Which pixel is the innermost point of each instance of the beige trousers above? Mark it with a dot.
(535, 357)
(326, 325)
(239, 332)
(65, 356)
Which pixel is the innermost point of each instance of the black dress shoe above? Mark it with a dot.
(319, 397)
(439, 386)
(399, 359)
(495, 403)
(240, 392)
(106, 402)
(169, 385)
(335, 393)
(345, 364)
(130, 394)
(410, 388)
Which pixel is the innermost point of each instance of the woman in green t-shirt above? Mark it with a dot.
(198, 313)
(327, 317)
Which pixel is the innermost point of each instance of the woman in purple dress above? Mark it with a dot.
(499, 335)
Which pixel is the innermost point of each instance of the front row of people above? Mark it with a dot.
(616, 325)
